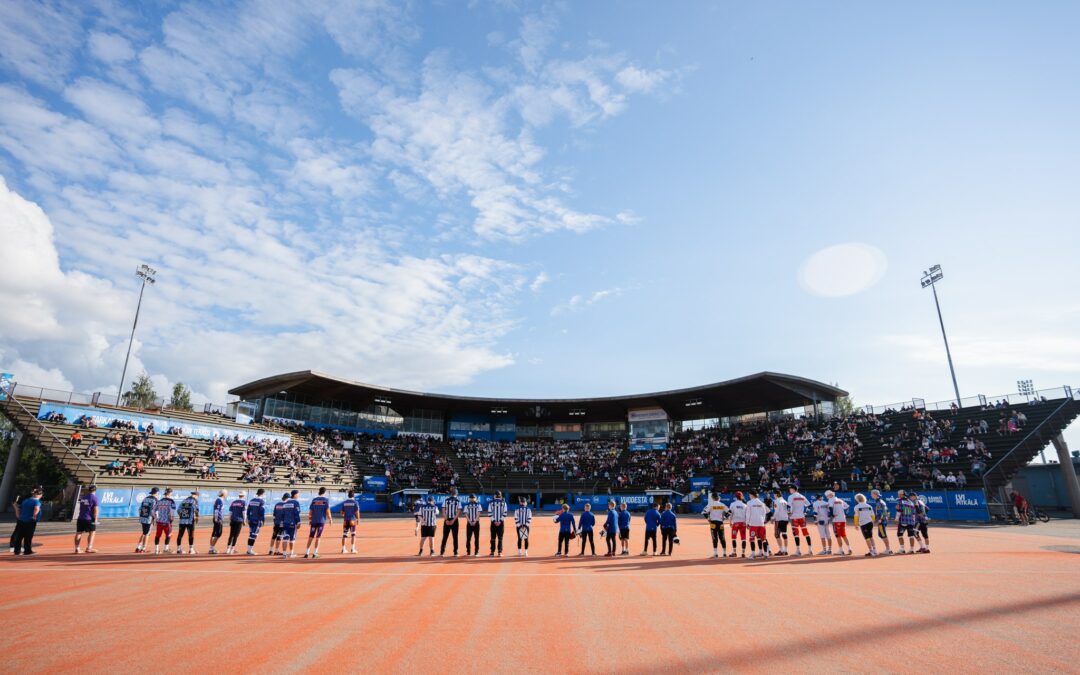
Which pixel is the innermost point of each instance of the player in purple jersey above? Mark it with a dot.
(290, 520)
(350, 514)
(319, 518)
(237, 507)
(256, 516)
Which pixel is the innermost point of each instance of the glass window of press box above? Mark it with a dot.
(335, 413)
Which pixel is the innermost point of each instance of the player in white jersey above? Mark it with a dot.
(738, 522)
(798, 505)
(781, 518)
(838, 516)
(864, 520)
(822, 515)
(716, 512)
(756, 516)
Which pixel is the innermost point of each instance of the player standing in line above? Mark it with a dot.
(905, 520)
(864, 520)
(881, 518)
(652, 525)
(668, 530)
(611, 528)
(567, 528)
(922, 520)
(838, 515)
(523, 521)
(290, 520)
(822, 514)
(624, 528)
(716, 512)
(276, 545)
(737, 508)
(472, 512)
(318, 518)
(417, 505)
(427, 514)
(350, 514)
(586, 523)
(164, 513)
(219, 520)
(188, 517)
(146, 518)
(497, 514)
(89, 508)
(781, 518)
(757, 514)
(451, 506)
(798, 504)
(256, 516)
(237, 511)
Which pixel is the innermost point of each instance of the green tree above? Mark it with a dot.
(844, 406)
(181, 397)
(141, 394)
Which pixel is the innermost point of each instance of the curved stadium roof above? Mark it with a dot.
(751, 394)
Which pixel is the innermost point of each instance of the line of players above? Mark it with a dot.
(162, 512)
(748, 520)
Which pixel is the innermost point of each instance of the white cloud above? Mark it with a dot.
(578, 302)
(539, 281)
(38, 40)
(110, 47)
(844, 269)
(635, 79)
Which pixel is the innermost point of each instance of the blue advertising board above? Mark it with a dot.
(375, 483)
(6, 383)
(701, 483)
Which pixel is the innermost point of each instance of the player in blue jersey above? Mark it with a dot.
(290, 520)
(237, 511)
(146, 518)
(164, 514)
(350, 514)
(219, 521)
(319, 517)
(624, 528)
(256, 516)
(279, 514)
(188, 517)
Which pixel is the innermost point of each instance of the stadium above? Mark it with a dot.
(532, 337)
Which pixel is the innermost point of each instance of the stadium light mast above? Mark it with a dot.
(930, 278)
(146, 273)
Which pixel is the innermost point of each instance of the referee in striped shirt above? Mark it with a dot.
(523, 519)
(497, 511)
(426, 515)
(450, 523)
(472, 526)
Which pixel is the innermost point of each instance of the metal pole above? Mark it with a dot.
(123, 373)
(948, 354)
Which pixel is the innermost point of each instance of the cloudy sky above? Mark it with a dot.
(540, 199)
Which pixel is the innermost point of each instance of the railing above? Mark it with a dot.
(1023, 441)
(980, 400)
(68, 452)
(97, 398)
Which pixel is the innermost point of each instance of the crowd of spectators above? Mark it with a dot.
(588, 461)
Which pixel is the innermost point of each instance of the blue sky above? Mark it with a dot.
(541, 199)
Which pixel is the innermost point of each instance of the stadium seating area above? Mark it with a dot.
(897, 448)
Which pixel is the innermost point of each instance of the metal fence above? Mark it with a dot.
(100, 399)
(1014, 399)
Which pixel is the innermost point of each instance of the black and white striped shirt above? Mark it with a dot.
(450, 507)
(472, 512)
(428, 513)
(523, 516)
(497, 510)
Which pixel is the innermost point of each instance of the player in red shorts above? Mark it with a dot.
(738, 522)
(838, 514)
(798, 505)
(756, 516)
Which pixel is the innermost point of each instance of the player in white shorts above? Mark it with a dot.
(822, 514)
(737, 507)
(781, 520)
(798, 504)
(838, 516)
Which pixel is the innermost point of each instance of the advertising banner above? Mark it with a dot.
(6, 383)
(701, 483)
(375, 483)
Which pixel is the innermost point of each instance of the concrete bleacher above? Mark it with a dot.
(54, 438)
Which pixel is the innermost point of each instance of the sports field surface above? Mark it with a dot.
(988, 599)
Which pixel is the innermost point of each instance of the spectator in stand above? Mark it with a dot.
(75, 440)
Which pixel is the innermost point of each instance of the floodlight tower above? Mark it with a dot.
(147, 274)
(930, 278)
